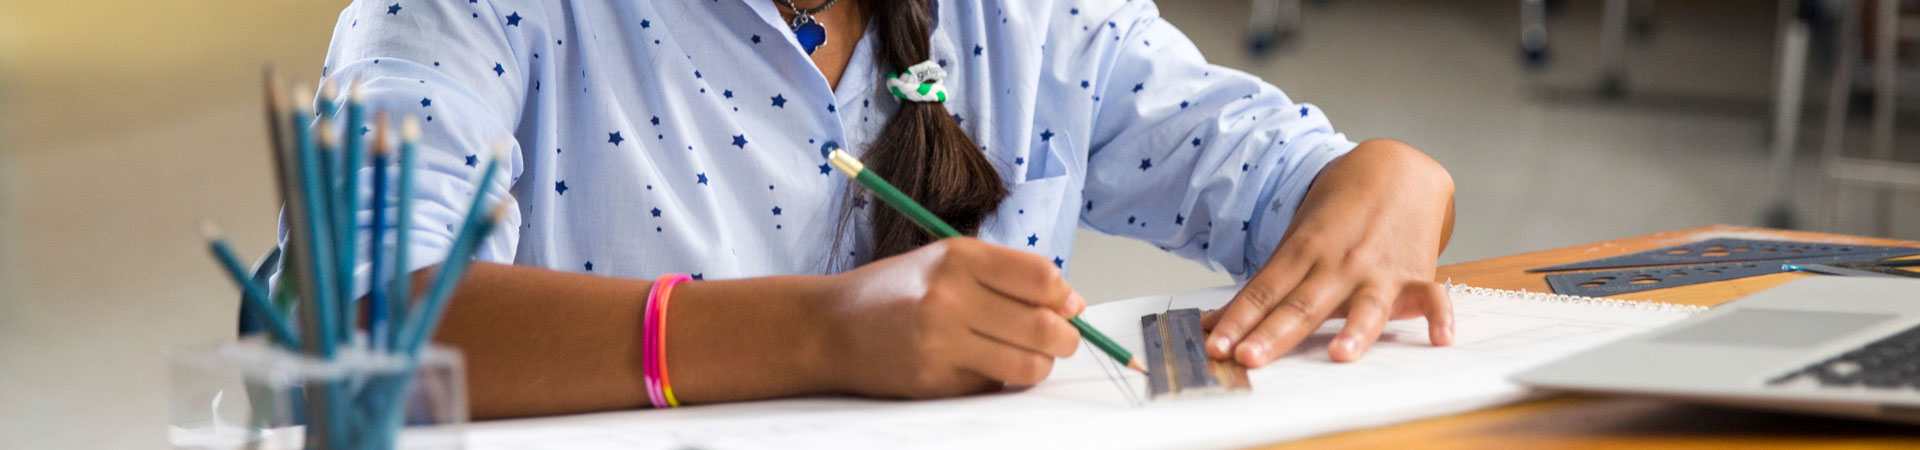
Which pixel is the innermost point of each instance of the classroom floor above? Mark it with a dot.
(126, 123)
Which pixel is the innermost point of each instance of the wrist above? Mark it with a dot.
(821, 333)
(1402, 165)
(750, 338)
(1383, 173)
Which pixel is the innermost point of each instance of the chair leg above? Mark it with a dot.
(1262, 25)
(1613, 49)
(1846, 56)
(1289, 17)
(1885, 79)
(1787, 98)
(1533, 33)
(1640, 19)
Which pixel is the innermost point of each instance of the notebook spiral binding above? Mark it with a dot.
(1558, 298)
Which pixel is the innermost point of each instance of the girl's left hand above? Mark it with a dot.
(1363, 246)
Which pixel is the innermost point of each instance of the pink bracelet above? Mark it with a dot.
(660, 337)
(654, 395)
(653, 342)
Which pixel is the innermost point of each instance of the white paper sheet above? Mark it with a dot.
(1091, 402)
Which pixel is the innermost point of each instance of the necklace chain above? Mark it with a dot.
(798, 11)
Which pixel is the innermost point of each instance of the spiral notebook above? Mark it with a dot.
(1091, 402)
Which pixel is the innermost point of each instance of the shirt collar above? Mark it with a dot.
(861, 71)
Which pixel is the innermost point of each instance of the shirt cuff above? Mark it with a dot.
(1281, 197)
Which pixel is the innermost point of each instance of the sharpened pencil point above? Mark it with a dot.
(410, 128)
(276, 90)
(498, 213)
(500, 148)
(1136, 365)
(329, 89)
(209, 230)
(355, 93)
(324, 131)
(380, 146)
(302, 98)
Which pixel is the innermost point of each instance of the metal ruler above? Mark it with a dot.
(1177, 362)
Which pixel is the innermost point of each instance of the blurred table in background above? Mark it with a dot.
(1620, 422)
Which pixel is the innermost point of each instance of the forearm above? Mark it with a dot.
(541, 342)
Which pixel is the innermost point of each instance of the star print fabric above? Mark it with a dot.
(1159, 145)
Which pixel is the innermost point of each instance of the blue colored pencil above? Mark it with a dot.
(471, 233)
(402, 293)
(421, 323)
(329, 165)
(320, 252)
(329, 91)
(347, 209)
(376, 291)
(317, 308)
(297, 259)
(252, 293)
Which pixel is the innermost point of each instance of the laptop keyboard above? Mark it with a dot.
(1889, 363)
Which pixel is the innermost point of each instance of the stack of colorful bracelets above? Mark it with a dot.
(653, 342)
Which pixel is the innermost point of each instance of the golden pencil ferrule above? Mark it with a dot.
(840, 159)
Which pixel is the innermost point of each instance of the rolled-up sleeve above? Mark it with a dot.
(1206, 162)
(451, 66)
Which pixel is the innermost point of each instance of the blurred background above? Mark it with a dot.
(124, 124)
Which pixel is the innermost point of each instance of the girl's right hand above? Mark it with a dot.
(955, 317)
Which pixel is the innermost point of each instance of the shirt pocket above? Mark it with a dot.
(1031, 217)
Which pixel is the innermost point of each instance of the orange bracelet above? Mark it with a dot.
(665, 286)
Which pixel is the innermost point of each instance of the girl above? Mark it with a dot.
(690, 137)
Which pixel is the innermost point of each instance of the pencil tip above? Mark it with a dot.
(1136, 365)
(302, 97)
(379, 133)
(323, 129)
(501, 146)
(276, 89)
(329, 89)
(209, 230)
(354, 92)
(410, 128)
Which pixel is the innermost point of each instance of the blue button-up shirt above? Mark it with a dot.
(682, 136)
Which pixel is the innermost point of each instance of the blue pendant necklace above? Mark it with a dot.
(806, 30)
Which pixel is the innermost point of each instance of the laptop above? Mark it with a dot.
(1824, 345)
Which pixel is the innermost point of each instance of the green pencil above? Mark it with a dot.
(920, 216)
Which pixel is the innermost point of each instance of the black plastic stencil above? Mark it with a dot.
(1616, 282)
(1726, 250)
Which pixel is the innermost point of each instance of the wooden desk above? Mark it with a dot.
(1612, 422)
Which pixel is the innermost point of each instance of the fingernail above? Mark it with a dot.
(1076, 303)
(1255, 350)
(1219, 345)
(1346, 345)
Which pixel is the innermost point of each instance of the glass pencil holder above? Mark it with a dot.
(252, 394)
